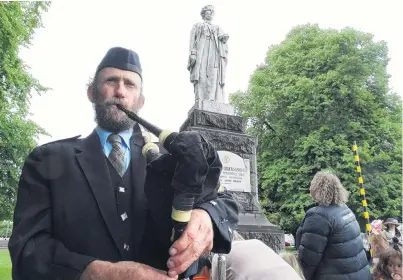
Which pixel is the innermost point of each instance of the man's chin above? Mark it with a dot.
(114, 125)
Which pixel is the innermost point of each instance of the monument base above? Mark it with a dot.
(226, 132)
(256, 226)
(215, 107)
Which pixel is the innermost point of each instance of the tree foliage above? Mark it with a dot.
(18, 134)
(6, 229)
(321, 90)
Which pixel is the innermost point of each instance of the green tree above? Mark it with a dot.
(6, 229)
(320, 90)
(18, 134)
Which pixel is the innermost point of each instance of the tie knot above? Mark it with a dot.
(115, 139)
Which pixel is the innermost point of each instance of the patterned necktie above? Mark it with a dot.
(116, 156)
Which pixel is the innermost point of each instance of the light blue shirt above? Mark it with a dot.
(107, 146)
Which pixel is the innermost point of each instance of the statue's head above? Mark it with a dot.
(207, 12)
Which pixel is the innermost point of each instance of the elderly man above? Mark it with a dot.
(81, 210)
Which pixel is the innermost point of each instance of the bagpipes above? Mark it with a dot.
(191, 167)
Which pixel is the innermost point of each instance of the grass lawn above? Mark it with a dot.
(290, 249)
(5, 265)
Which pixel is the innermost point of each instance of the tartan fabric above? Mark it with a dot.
(116, 156)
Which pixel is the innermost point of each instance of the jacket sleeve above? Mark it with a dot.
(224, 215)
(312, 242)
(35, 254)
(221, 207)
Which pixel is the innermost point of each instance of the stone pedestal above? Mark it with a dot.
(215, 107)
(226, 132)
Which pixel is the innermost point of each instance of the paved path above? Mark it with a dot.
(3, 244)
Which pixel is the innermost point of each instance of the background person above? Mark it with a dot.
(389, 266)
(328, 242)
(392, 233)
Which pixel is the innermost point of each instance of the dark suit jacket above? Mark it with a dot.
(66, 217)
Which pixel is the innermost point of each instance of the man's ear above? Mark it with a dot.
(141, 101)
(89, 94)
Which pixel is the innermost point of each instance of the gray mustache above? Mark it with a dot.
(109, 102)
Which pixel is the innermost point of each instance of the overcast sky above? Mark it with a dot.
(77, 34)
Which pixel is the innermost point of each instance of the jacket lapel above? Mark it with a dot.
(138, 166)
(92, 160)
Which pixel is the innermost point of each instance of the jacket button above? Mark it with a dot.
(121, 189)
(124, 216)
(126, 247)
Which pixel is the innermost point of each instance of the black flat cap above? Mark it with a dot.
(123, 59)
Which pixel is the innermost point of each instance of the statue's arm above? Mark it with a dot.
(222, 36)
(192, 46)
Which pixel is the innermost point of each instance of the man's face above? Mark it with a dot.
(208, 14)
(114, 86)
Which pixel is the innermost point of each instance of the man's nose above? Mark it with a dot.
(120, 90)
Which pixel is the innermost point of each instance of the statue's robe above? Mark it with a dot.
(208, 72)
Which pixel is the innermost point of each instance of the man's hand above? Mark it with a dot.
(100, 270)
(192, 60)
(196, 240)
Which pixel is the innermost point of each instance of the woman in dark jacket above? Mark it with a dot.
(329, 242)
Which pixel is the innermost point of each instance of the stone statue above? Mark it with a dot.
(208, 58)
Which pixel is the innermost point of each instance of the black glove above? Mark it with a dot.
(395, 239)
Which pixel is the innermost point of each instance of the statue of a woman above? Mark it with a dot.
(208, 58)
